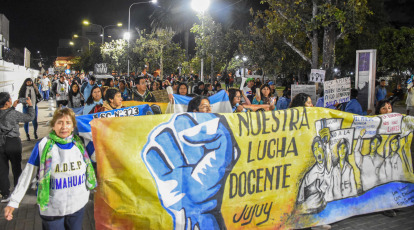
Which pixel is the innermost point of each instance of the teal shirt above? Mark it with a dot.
(255, 102)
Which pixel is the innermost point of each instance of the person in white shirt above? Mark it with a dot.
(61, 90)
(247, 90)
(45, 83)
(65, 176)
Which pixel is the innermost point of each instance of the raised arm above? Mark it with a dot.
(357, 150)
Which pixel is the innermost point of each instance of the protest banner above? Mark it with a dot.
(156, 107)
(84, 128)
(317, 75)
(284, 169)
(308, 89)
(336, 91)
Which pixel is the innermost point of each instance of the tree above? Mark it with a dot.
(396, 49)
(87, 60)
(215, 43)
(114, 53)
(299, 24)
(177, 15)
(158, 50)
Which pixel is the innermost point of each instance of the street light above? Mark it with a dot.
(201, 6)
(87, 23)
(71, 43)
(244, 68)
(89, 40)
(128, 36)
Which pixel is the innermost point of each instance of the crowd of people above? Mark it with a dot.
(86, 95)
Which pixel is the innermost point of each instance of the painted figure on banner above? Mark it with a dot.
(369, 164)
(191, 186)
(391, 168)
(317, 185)
(343, 173)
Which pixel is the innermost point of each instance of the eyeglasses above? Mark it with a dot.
(237, 97)
(205, 107)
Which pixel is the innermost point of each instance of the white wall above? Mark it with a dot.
(12, 77)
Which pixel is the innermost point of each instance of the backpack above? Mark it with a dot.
(3, 133)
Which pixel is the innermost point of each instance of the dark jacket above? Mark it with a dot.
(10, 123)
(148, 96)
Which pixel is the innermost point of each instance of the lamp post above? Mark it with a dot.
(244, 68)
(87, 23)
(201, 6)
(128, 34)
(89, 40)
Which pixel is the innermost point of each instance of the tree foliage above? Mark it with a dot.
(115, 54)
(293, 21)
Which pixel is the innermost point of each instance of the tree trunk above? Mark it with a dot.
(212, 66)
(315, 40)
(186, 41)
(161, 65)
(329, 40)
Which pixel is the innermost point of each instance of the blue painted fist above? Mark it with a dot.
(190, 158)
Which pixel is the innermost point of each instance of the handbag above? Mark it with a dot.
(3, 133)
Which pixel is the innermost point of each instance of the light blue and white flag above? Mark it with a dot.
(84, 127)
(219, 102)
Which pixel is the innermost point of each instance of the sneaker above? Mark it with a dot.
(390, 213)
(5, 199)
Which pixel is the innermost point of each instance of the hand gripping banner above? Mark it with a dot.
(283, 169)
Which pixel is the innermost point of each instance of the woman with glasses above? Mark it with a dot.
(235, 96)
(200, 104)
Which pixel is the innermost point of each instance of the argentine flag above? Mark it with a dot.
(219, 102)
(84, 127)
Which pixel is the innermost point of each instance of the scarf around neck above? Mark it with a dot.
(30, 92)
(46, 162)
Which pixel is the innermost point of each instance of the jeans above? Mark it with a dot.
(45, 95)
(34, 122)
(68, 222)
(11, 151)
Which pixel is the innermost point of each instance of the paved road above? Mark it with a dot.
(27, 216)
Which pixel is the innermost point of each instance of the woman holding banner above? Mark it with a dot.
(113, 100)
(94, 102)
(235, 99)
(301, 99)
(263, 98)
(65, 176)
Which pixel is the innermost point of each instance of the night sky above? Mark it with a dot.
(39, 24)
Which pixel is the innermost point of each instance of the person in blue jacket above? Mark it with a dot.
(353, 105)
(284, 101)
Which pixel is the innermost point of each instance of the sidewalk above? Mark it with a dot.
(27, 216)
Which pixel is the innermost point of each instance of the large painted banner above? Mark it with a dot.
(281, 169)
(84, 127)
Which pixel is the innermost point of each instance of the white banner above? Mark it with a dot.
(317, 75)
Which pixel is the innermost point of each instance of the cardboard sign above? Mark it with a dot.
(308, 89)
(337, 91)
